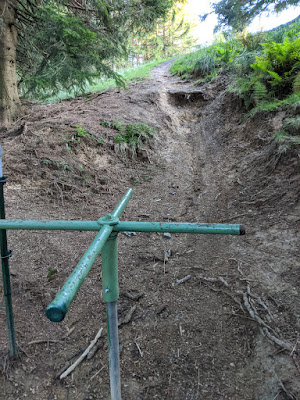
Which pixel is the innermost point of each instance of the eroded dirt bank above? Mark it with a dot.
(191, 340)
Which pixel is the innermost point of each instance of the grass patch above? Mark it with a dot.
(129, 75)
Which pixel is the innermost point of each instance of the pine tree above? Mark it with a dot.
(238, 14)
(65, 43)
(170, 36)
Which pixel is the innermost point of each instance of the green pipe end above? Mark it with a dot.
(242, 230)
(56, 313)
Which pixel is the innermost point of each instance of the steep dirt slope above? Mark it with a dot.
(203, 339)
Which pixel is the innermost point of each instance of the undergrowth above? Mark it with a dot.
(99, 85)
(263, 70)
(132, 137)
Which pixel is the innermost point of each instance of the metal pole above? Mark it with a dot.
(114, 354)
(5, 254)
(132, 226)
(110, 287)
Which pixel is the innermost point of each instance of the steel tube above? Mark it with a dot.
(109, 256)
(122, 204)
(173, 227)
(57, 310)
(114, 355)
(180, 227)
(5, 254)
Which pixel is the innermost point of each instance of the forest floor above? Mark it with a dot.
(230, 331)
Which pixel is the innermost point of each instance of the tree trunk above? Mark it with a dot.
(9, 98)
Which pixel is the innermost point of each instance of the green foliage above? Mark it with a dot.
(207, 61)
(238, 14)
(57, 164)
(65, 54)
(265, 75)
(289, 136)
(134, 134)
(170, 35)
(274, 75)
(63, 46)
(130, 137)
(79, 134)
(51, 273)
(99, 85)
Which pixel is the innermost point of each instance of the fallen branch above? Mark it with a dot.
(83, 355)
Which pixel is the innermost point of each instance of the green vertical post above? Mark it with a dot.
(5, 254)
(110, 288)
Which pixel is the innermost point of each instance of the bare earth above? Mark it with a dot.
(228, 332)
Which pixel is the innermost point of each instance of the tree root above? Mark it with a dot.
(248, 302)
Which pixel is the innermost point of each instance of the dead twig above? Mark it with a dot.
(182, 280)
(44, 341)
(83, 355)
(139, 349)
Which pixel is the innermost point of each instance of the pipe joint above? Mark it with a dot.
(108, 220)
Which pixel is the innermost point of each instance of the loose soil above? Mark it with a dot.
(201, 339)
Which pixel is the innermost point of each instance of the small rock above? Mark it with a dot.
(129, 234)
(167, 235)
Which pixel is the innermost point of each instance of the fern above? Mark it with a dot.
(296, 84)
(260, 91)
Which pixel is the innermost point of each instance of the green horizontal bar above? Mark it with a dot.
(173, 227)
(180, 227)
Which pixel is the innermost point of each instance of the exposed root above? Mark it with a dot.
(250, 303)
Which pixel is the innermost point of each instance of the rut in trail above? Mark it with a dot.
(201, 182)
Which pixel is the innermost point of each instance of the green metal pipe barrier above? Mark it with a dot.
(109, 254)
(122, 226)
(106, 243)
(57, 310)
(110, 296)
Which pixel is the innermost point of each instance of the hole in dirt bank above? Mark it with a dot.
(182, 97)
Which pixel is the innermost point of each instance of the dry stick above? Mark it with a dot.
(83, 355)
(139, 349)
(251, 311)
(233, 217)
(44, 341)
(186, 278)
(97, 373)
(93, 351)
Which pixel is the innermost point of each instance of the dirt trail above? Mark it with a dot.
(195, 340)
